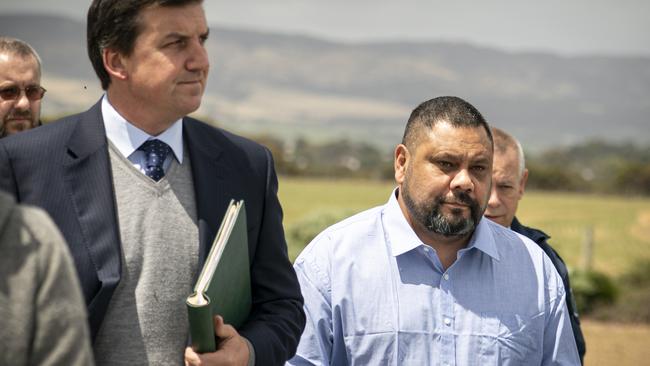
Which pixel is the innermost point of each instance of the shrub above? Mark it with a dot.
(632, 304)
(302, 232)
(592, 289)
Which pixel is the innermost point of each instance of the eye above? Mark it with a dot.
(10, 93)
(445, 164)
(203, 38)
(178, 42)
(479, 169)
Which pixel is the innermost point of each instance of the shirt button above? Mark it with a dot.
(446, 276)
(447, 321)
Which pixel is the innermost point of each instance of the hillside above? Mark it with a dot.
(291, 85)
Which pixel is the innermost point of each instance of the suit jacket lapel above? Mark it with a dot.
(209, 172)
(87, 172)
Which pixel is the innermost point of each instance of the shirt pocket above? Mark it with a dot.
(510, 339)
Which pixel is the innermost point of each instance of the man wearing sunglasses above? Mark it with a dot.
(20, 87)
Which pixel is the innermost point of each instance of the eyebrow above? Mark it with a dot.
(184, 35)
(445, 155)
(175, 35)
(12, 84)
(481, 159)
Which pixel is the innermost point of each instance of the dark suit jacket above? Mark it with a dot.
(541, 239)
(64, 167)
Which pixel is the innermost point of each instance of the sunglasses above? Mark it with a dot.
(32, 92)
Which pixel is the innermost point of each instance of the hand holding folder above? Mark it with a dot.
(223, 287)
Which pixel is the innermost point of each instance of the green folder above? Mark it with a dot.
(224, 286)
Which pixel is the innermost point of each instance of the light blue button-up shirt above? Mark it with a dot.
(376, 295)
(126, 137)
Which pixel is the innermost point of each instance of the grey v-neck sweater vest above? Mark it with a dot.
(146, 321)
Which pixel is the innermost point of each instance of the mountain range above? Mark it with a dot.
(290, 85)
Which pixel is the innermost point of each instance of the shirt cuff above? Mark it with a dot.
(251, 352)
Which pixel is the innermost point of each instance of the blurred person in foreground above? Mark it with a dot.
(42, 313)
(423, 279)
(139, 189)
(20, 87)
(509, 176)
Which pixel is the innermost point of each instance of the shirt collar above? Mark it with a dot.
(483, 239)
(127, 138)
(402, 238)
(400, 234)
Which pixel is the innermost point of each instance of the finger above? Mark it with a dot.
(191, 357)
(223, 330)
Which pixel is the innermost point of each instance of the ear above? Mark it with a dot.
(522, 182)
(114, 64)
(402, 157)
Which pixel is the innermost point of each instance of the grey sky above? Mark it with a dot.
(569, 27)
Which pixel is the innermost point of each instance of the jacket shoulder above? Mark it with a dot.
(42, 137)
(535, 235)
(224, 138)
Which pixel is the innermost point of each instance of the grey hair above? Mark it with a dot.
(522, 158)
(504, 141)
(20, 48)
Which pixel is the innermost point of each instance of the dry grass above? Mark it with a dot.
(620, 227)
(616, 344)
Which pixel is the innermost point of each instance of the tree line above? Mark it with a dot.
(590, 167)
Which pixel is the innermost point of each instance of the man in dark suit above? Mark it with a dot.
(509, 176)
(138, 190)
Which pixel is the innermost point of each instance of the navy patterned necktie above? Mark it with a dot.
(156, 152)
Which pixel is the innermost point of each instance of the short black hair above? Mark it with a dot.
(453, 110)
(115, 24)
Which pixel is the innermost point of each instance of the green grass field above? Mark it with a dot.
(621, 225)
(302, 197)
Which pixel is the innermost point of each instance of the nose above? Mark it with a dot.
(462, 181)
(198, 60)
(22, 103)
(494, 201)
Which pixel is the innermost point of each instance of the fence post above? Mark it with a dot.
(588, 248)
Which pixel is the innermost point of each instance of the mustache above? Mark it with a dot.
(462, 198)
(19, 115)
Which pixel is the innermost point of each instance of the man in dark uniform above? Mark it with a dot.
(509, 176)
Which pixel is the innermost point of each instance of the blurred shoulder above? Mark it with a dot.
(26, 230)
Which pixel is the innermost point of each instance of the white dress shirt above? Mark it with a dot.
(127, 138)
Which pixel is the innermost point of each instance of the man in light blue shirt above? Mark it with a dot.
(424, 280)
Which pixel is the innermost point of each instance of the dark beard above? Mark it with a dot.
(429, 216)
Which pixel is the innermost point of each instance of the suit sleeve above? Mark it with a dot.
(7, 181)
(277, 318)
